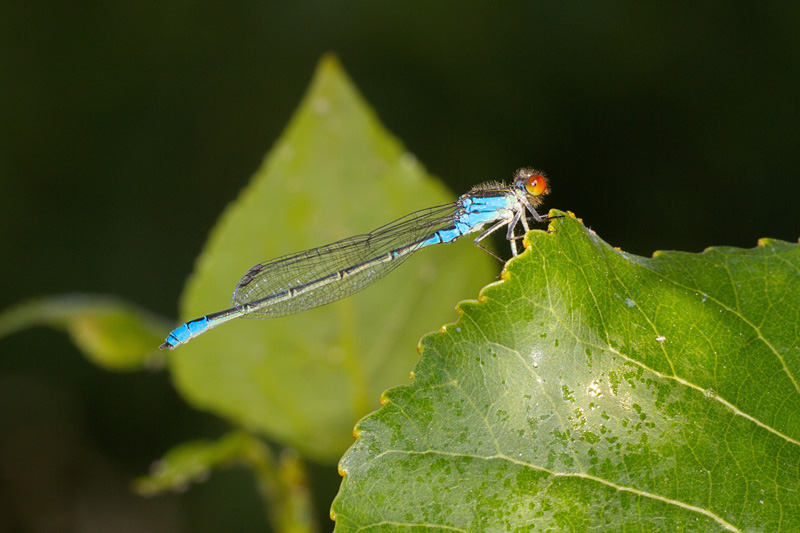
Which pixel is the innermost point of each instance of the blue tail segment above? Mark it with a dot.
(185, 332)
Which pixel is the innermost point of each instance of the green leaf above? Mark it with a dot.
(597, 390)
(112, 333)
(282, 481)
(304, 380)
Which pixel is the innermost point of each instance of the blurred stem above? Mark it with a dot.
(283, 483)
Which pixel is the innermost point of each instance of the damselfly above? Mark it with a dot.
(304, 280)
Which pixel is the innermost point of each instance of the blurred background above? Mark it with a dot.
(126, 128)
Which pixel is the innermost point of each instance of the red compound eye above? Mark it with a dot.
(536, 185)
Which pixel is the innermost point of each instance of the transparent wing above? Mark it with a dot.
(262, 285)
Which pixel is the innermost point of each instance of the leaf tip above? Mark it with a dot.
(329, 62)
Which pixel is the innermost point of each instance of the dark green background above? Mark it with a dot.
(126, 128)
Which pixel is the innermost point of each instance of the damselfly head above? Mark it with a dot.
(533, 181)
